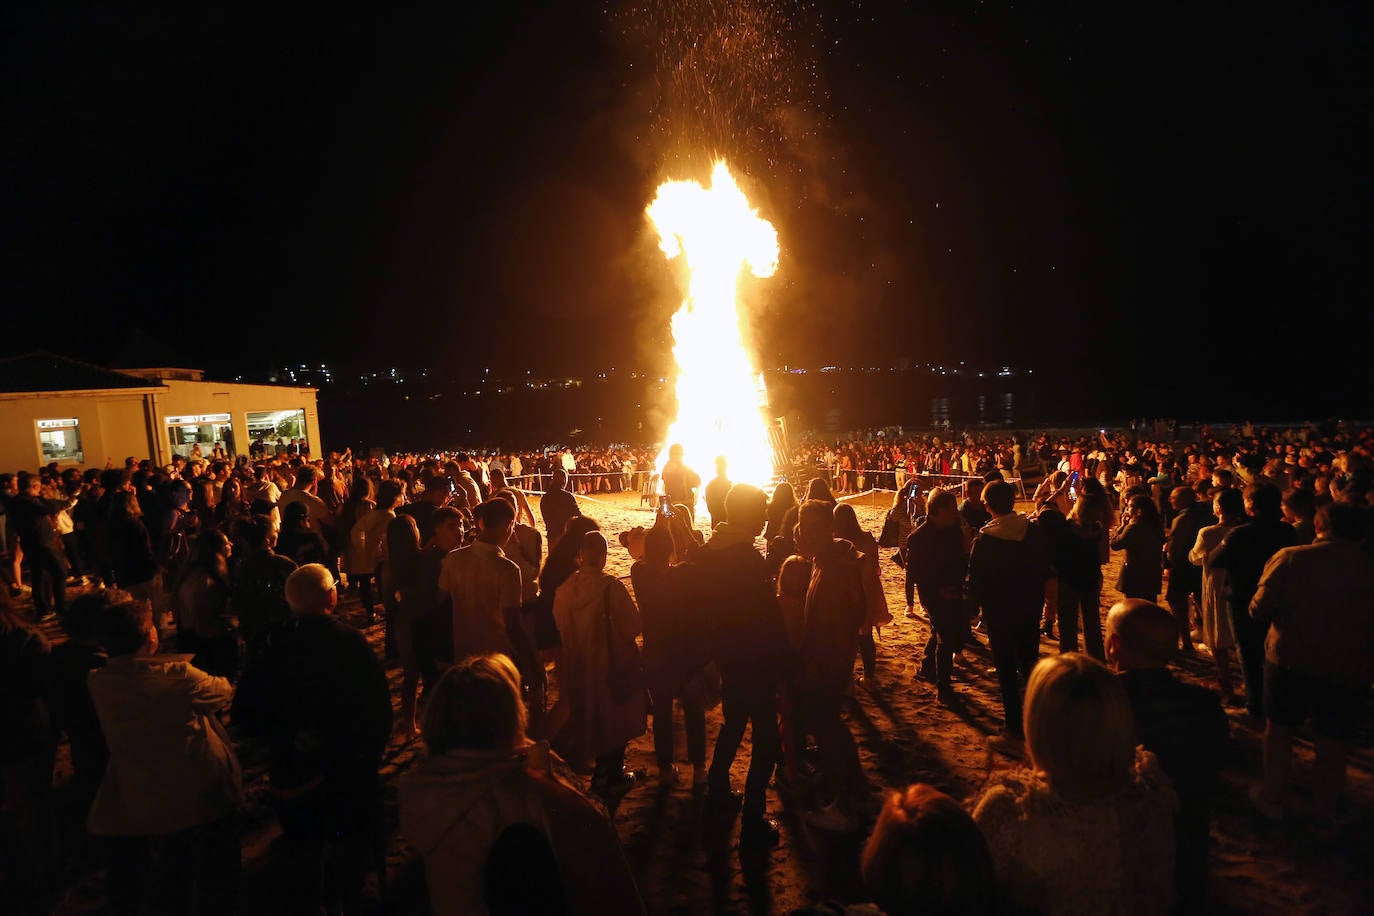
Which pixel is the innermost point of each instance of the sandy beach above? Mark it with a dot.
(688, 863)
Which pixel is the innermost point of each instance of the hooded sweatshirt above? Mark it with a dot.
(1008, 567)
(454, 807)
(735, 589)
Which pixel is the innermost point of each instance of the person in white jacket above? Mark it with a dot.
(170, 795)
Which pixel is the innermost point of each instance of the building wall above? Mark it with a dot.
(111, 425)
(189, 398)
(114, 424)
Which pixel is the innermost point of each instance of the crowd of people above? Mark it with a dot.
(206, 616)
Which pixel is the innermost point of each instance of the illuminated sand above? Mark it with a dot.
(903, 735)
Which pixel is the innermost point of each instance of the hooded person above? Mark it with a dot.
(937, 560)
(735, 588)
(1008, 566)
(594, 613)
(498, 831)
(835, 609)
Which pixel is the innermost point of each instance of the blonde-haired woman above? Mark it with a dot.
(497, 829)
(1088, 826)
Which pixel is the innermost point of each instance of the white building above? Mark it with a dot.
(57, 409)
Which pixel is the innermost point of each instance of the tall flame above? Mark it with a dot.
(720, 395)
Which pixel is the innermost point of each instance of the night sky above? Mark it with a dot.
(1166, 195)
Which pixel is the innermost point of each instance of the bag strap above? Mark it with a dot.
(606, 618)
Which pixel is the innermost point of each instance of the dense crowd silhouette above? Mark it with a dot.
(159, 625)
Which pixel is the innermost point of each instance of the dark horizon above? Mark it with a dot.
(1146, 202)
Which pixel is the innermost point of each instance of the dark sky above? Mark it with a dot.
(1090, 189)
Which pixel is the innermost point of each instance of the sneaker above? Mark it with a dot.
(759, 832)
(1270, 809)
(830, 818)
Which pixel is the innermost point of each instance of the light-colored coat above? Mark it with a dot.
(580, 610)
(1217, 629)
(367, 542)
(172, 766)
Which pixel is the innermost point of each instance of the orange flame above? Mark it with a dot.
(720, 394)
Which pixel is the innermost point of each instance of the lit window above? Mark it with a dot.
(60, 440)
(201, 435)
(275, 432)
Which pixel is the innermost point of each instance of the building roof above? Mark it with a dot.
(43, 371)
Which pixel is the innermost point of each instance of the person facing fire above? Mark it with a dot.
(680, 482)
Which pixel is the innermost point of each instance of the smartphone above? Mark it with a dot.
(665, 508)
(1073, 486)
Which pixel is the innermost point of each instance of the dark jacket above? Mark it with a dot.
(26, 685)
(1073, 552)
(835, 610)
(935, 560)
(1143, 570)
(258, 596)
(31, 518)
(320, 699)
(303, 546)
(1184, 726)
(1008, 566)
(555, 508)
(733, 588)
(1245, 550)
(131, 553)
(674, 640)
(974, 514)
(1183, 535)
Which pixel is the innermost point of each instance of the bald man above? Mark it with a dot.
(1181, 724)
(319, 698)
